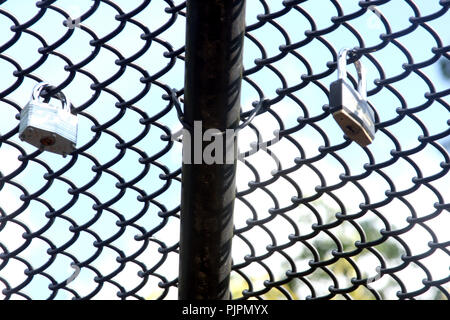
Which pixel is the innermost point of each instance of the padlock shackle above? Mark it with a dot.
(361, 71)
(37, 90)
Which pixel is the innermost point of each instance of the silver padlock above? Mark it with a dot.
(46, 126)
(350, 107)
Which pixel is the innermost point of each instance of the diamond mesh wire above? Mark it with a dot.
(316, 216)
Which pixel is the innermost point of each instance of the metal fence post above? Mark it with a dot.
(214, 43)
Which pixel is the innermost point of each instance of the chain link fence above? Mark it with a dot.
(316, 215)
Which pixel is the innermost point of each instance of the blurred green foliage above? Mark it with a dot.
(341, 269)
(445, 67)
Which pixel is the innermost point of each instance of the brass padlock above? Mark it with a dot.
(350, 107)
(46, 126)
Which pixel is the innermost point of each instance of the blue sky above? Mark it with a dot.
(419, 44)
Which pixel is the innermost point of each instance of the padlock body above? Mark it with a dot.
(48, 127)
(352, 113)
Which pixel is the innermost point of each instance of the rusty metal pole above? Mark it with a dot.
(214, 44)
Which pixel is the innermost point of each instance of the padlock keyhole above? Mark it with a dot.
(48, 141)
(350, 128)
